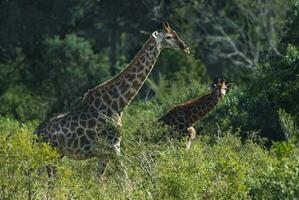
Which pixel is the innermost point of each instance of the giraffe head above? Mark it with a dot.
(220, 87)
(168, 38)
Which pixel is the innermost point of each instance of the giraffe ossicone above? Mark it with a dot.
(77, 133)
(182, 117)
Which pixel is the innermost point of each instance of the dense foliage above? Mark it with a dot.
(52, 52)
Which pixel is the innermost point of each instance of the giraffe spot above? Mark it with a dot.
(87, 148)
(74, 125)
(90, 134)
(56, 127)
(130, 77)
(89, 115)
(181, 127)
(75, 142)
(128, 95)
(147, 70)
(69, 142)
(109, 111)
(68, 135)
(83, 116)
(48, 128)
(83, 123)
(84, 140)
(142, 58)
(80, 131)
(150, 47)
(141, 67)
(114, 105)
(97, 102)
(63, 122)
(75, 118)
(95, 114)
(77, 151)
(106, 98)
(141, 76)
(91, 123)
(67, 124)
(64, 130)
(134, 69)
(122, 102)
(135, 85)
(61, 141)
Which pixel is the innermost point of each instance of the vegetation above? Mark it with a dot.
(52, 52)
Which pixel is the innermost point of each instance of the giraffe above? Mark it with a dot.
(182, 117)
(92, 129)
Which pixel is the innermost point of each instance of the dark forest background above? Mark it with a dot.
(53, 51)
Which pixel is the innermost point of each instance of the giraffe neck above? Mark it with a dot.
(200, 107)
(114, 95)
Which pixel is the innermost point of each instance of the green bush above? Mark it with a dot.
(224, 168)
(281, 180)
(20, 103)
(69, 68)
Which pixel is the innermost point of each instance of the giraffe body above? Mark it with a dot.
(92, 129)
(183, 117)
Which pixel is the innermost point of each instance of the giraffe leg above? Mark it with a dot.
(103, 162)
(116, 147)
(191, 135)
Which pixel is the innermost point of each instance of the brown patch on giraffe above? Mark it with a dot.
(95, 114)
(83, 123)
(128, 95)
(64, 130)
(84, 140)
(80, 131)
(69, 142)
(134, 69)
(110, 111)
(122, 102)
(147, 70)
(135, 84)
(74, 125)
(114, 105)
(124, 86)
(75, 142)
(83, 116)
(75, 118)
(106, 98)
(142, 59)
(61, 140)
(131, 77)
(97, 102)
(90, 134)
(91, 123)
(63, 122)
(87, 148)
(56, 127)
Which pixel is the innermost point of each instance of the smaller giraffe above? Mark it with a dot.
(182, 117)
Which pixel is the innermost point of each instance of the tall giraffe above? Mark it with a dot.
(182, 117)
(91, 130)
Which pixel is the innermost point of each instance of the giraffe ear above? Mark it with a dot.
(166, 26)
